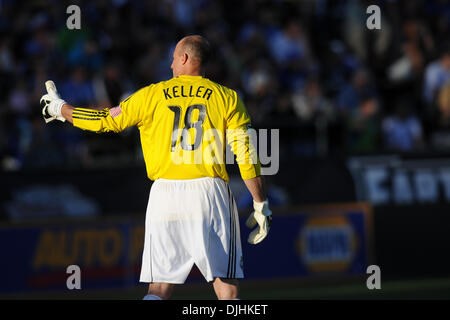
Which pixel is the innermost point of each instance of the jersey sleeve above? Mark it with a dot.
(237, 115)
(130, 112)
(241, 141)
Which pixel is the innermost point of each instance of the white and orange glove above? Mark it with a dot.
(262, 216)
(52, 103)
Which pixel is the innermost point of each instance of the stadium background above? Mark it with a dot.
(364, 119)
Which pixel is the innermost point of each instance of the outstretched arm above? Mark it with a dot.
(67, 111)
(127, 114)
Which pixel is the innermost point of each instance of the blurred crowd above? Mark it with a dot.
(311, 68)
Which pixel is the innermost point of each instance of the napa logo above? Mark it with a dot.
(327, 244)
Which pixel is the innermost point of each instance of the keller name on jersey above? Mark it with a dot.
(187, 91)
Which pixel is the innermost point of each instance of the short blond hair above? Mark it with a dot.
(198, 47)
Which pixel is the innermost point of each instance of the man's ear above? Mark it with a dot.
(184, 58)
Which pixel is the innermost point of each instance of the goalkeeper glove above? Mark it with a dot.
(52, 103)
(261, 216)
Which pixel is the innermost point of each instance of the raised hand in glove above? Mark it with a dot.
(52, 103)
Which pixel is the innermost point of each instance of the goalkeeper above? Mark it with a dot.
(191, 214)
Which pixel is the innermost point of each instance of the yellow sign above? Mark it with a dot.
(87, 247)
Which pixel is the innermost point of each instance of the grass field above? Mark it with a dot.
(409, 289)
(293, 289)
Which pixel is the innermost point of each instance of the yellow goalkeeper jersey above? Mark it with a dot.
(185, 124)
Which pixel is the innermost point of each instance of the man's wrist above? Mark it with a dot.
(56, 107)
(260, 205)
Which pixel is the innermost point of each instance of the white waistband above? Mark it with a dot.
(188, 180)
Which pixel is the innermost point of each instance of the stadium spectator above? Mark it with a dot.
(440, 137)
(78, 87)
(402, 131)
(363, 126)
(443, 110)
(437, 74)
(414, 46)
(311, 103)
(349, 97)
(109, 86)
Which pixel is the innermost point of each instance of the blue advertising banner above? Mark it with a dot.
(313, 241)
(303, 242)
(36, 257)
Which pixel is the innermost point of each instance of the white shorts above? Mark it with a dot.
(187, 222)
